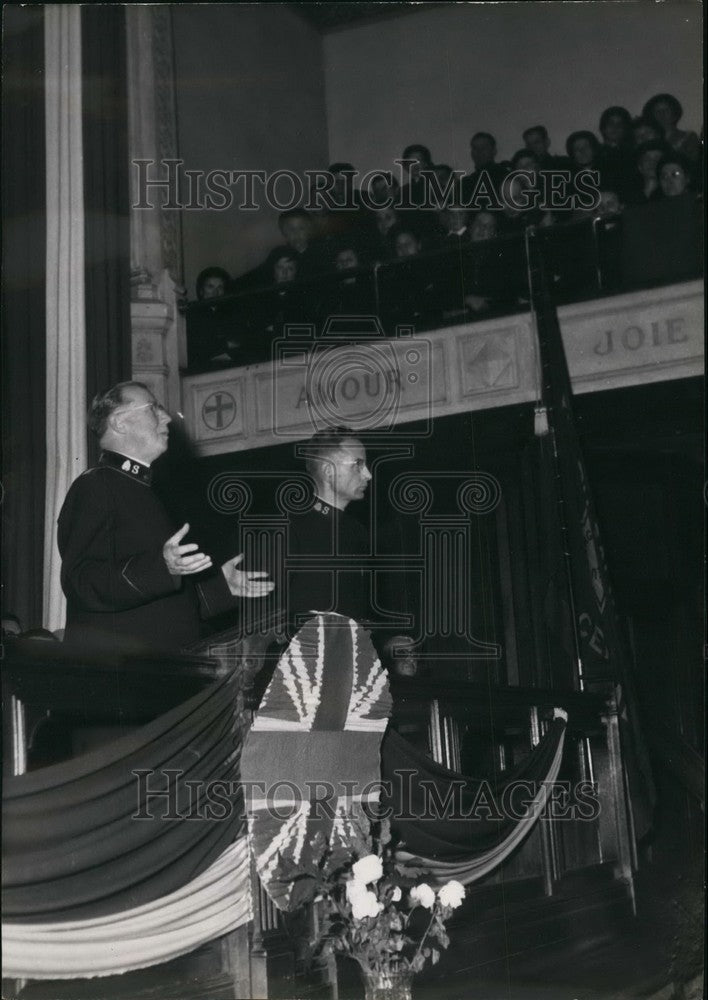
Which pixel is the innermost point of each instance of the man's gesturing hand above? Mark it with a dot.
(182, 560)
(243, 584)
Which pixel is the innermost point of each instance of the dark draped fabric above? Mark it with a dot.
(106, 198)
(72, 845)
(23, 295)
(476, 820)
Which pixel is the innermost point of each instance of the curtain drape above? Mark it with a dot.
(23, 288)
(106, 199)
(65, 346)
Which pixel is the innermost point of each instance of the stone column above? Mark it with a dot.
(158, 333)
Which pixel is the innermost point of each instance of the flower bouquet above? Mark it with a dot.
(379, 912)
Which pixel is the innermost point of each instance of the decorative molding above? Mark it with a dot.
(166, 128)
(635, 339)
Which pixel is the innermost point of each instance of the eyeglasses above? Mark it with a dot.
(157, 408)
(672, 173)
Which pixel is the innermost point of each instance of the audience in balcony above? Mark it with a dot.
(639, 161)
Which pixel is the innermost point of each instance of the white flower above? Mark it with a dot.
(423, 895)
(452, 894)
(368, 869)
(396, 894)
(355, 888)
(365, 905)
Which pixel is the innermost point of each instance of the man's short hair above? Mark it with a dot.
(293, 213)
(541, 129)
(341, 168)
(484, 135)
(104, 403)
(420, 152)
(323, 443)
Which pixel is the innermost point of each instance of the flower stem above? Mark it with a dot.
(427, 930)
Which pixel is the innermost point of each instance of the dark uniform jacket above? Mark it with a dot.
(325, 564)
(120, 595)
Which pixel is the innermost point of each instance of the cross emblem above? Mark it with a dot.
(219, 410)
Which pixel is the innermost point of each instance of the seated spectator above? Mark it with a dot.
(615, 153)
(525, 159)
(406, 241)
(298, 229)
(483, 149)
(674, 174)
(666, 111)
(646, 158)
(537, 141)
(378, 243)
(209, 328)
(409, 292)
(212, 283)
(584, 151)
(263, 314)
(518, 191)
(454, 226)
(484, 227)
(610, 204)
(351, 294)
(645, 130)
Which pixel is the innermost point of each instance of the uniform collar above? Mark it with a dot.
(128, 466)
(321, 507)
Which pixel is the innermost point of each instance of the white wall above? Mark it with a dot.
(250, 96)
(438, 76)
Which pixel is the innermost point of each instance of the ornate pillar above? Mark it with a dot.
(158, 333)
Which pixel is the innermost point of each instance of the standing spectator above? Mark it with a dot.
(483, 149)
(616, 150)
(347, 216)
(645, 130)
(666, 111)
(415, 190)
(536, 140)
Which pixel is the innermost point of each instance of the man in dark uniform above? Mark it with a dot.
(125, 571)
(322, 539)
(328, 549)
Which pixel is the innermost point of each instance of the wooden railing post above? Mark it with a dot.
(618, 791)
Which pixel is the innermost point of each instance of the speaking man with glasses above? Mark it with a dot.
(126, 572)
